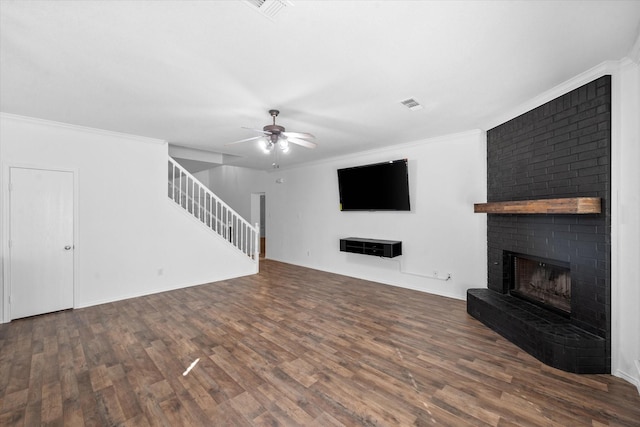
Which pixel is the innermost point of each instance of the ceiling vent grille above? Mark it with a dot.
(412, 104)
(269, 8)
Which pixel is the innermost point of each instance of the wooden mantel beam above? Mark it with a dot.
(571, 205)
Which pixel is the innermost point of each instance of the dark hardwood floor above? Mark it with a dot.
(289, 346)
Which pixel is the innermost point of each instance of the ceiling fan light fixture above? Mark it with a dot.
(266, 145)
(283, 144)
(275, 136)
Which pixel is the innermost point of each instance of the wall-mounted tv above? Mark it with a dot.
(375, 187)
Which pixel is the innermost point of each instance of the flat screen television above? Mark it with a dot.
(375, 187)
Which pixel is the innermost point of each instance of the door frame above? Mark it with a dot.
(5, 253)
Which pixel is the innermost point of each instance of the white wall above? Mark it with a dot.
(202, 176)
(626, 224)
(235, 185)
(132, 240)
(440, 233)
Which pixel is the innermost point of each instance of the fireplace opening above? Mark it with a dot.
(541, 281)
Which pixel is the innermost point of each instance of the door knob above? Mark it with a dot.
(66, 248)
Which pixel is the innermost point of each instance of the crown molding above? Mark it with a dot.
(602, 69)
(34, 120)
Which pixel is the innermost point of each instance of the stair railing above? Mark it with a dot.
(197, 200)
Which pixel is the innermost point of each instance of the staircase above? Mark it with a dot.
(198, 201)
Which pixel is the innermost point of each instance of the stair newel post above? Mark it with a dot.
(256, 240)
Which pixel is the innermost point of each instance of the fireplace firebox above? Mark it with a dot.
(540, 281)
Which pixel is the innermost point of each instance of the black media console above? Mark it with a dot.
(382, 248)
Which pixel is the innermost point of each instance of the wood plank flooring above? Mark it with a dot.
(288, 347)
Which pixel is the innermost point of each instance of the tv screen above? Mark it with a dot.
(376, 187)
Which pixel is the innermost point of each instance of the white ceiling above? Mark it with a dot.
(194, 72)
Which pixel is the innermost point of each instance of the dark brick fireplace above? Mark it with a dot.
(560, 149)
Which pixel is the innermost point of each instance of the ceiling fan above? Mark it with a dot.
(274, 135)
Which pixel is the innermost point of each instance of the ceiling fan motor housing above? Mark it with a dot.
(274, 130)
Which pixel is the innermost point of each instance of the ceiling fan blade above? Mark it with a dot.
(307, 144)
(244, 140)
(266, 132)
(299, 135)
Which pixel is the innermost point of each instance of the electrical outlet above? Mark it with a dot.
(435, 273)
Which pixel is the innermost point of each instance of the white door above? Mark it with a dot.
(40, 241)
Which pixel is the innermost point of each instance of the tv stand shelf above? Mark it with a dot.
(381, 248)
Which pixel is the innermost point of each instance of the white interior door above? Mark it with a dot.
(40, 241)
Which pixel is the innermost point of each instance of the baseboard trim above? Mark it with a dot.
(631, 377)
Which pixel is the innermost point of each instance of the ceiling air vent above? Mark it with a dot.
(412, 104)
(269, 8)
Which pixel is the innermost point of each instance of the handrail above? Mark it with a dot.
(196, 199)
